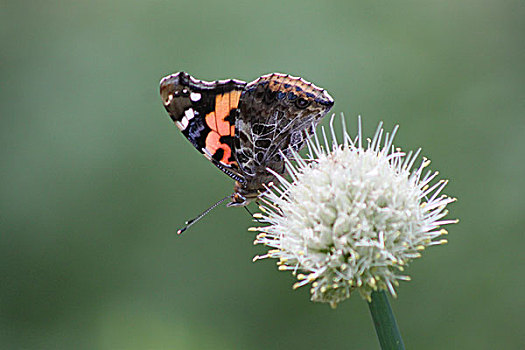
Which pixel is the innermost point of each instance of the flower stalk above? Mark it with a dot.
(385, 322)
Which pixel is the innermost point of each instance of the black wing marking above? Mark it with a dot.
(205, 113)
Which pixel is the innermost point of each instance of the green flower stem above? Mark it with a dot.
(385, 322)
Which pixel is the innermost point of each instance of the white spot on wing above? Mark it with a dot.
(189, 114)
(206, 153)
(184, 122)
(179, 125)
(195, 96)
(168, 101)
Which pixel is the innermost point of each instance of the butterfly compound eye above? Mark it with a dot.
(301, 103)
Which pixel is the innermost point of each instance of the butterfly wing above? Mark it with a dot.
(277, 112)
(205, 112)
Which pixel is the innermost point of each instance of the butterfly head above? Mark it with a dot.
(242, 195)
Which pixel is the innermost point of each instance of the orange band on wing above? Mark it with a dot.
(213, 143)
(235, 96)
(211, 121)
(222, 110)
(224, 104)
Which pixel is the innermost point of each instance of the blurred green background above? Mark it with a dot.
(95, 178)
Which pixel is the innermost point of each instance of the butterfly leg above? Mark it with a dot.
(251, 214)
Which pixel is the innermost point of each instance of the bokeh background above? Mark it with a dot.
(95, 178)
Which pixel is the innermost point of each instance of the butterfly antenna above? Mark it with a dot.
(189, 223)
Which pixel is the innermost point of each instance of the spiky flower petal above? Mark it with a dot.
(353, 216)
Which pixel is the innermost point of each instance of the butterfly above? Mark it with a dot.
(245, 129)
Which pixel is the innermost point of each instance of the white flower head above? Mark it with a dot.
(353, 216)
